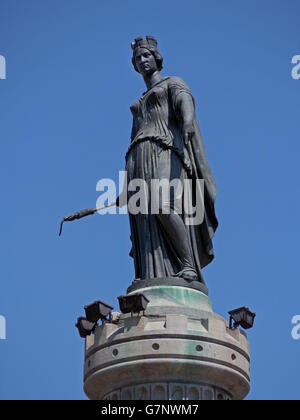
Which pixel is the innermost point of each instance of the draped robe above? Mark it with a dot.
(157, 148)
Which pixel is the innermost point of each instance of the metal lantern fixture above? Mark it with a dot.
(85, 327)
(97, 310)
(241, 317)
(133, 303)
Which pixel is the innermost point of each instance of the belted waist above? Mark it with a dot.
(165, 145)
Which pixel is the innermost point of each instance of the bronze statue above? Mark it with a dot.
(166, 144)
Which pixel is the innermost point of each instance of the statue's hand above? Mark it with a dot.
(121, 200)
(188, 131)
(118, 201)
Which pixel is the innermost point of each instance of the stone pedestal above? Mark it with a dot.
(177, 350)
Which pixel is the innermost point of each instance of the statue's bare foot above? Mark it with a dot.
(187, 274)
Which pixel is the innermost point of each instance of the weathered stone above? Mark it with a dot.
(193, 354)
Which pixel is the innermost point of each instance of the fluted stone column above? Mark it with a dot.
(177, 350)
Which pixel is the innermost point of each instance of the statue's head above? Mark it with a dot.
(146, 59)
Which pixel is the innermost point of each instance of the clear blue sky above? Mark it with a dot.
(65, 124)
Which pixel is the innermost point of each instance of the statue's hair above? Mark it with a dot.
(151, 45)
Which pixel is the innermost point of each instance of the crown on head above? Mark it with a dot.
(149, 43)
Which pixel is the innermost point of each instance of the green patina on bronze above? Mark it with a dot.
(178, 296)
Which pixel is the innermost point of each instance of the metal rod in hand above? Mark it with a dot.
(82, 213)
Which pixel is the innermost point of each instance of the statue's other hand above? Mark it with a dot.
(118, 201)
(188, 131)
(121, 200)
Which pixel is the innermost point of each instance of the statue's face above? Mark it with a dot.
(145, 61)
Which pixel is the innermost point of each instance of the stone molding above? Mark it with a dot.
(169, 391)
